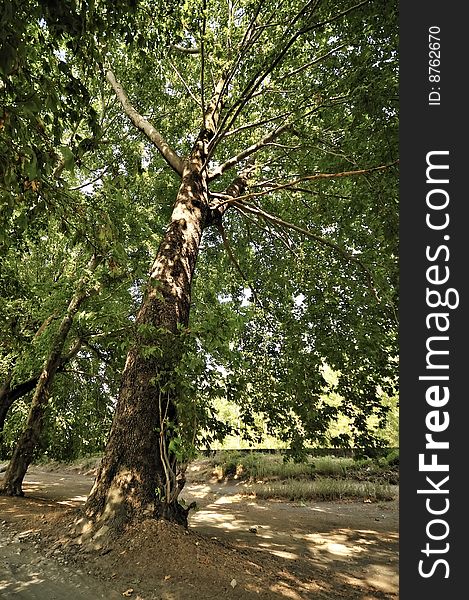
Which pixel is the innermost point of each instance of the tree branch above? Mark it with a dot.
(289, 184)
(278, 221)
(9, 395)
(256, 124)
(202, 61)
(234, 190)
(185, 50)
(212, 112)
(271, 232)
(311, 63)
(264, 141)
(340, 15)
(170, 156)
(186, 87)
(247, 152)
(267, 67)
(236, 264)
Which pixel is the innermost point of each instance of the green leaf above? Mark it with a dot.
(31, 167)
(68, 158)
(8, 56)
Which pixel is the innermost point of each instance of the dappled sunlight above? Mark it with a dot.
(307, 543)
(197, 492)
(73, 502)
(236, 498)
(49, 484)
(285, 590)
(317, 509)
(17, 512)
(382, 577)
(225, 520)
(338, 549)
(339, 543)
(19, 587)
(283, 554)
(314, 547)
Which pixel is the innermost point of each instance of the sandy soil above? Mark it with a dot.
(236, 547)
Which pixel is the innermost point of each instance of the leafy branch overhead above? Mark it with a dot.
(231, 107)
(234, 166)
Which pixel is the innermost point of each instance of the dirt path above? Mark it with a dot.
(26, 574)
(330, 550)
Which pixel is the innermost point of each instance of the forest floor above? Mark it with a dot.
(237, 547)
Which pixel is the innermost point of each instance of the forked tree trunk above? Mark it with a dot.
(24, 450)
(137, 476)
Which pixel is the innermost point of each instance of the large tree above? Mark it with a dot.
(256, 101)
(265, 133)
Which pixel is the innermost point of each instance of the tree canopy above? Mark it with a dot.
(294, 105)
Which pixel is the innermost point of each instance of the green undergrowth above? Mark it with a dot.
(85, 465)
(260, 467)
(318, 478)
(324, 489)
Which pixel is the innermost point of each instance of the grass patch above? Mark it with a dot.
(84, 465)
(330, 466)
(257, 466)
(323, 489)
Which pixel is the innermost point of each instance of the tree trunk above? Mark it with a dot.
(137, 478)
(138, 475)
(24, 451)
(9, 395)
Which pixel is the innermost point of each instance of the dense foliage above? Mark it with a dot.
(303, 271)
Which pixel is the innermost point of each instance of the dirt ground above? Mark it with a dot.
(237, 547)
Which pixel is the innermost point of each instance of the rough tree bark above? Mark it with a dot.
(138, 476)
(24, 450)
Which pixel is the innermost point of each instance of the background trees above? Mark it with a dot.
(300, 270)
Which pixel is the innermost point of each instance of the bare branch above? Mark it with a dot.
(256, 124)
(251, 27)
(257, 146)
(285, 147)
(170, 156)
(311, 63)
(181, 78)
(250, 38)
(278, 221)
(233, 259)
(72, 351)
(289, 184)
(45, 324)
(267, 67)
(340, 15)
(95, 180)
(212, 112)
(248, 151)
(278, 235)
(235, 189)
(202, 61)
